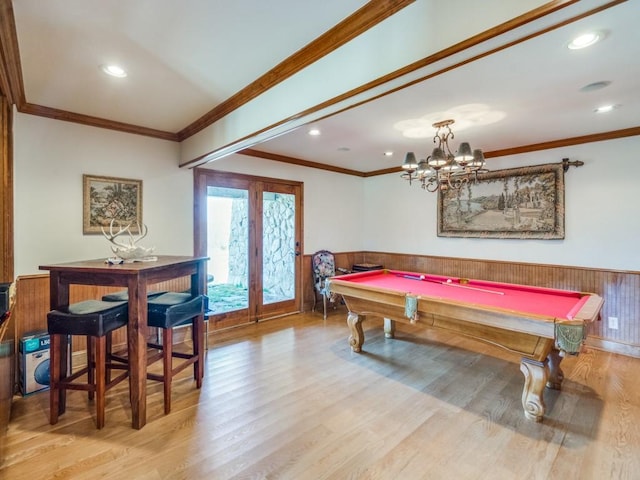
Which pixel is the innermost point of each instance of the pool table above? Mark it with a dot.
(540, 324)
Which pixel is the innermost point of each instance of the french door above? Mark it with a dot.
(250, 228)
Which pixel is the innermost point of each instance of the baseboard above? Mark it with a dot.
(613, 347)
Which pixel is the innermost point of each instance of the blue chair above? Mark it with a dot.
(96, 320)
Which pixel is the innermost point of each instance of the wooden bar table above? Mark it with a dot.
(136, 277)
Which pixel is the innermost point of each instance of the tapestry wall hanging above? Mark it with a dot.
(525, 203)
(110, 199)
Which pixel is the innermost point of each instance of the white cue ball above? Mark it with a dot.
(448, 280)
(421, 277)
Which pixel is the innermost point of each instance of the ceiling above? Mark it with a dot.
(185, 58)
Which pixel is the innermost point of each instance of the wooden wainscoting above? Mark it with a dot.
(620, 289)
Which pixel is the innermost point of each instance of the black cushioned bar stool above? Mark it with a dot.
(95, 320)
(123, 296)
(169, 310)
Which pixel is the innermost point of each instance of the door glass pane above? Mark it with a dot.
(227, 248)
(278, 241)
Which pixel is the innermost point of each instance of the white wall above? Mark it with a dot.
(341, 212)
(602, 224)
(50, 158)
(333, 208)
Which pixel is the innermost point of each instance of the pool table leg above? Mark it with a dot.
(556, 375)
(389, 328)
(356, 339)
(535, 378)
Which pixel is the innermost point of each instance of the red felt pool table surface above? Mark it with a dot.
(546, 302)
(540, 324)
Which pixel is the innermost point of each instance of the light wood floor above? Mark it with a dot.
(286, 399)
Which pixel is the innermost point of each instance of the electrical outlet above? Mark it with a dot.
(613, 323)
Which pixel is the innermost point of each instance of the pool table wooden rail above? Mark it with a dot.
(531, 336)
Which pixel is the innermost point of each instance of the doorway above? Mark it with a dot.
(250, 228)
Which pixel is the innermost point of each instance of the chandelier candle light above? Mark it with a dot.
(442, 169)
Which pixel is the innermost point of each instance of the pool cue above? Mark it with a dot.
(471, 288)
(450, 284)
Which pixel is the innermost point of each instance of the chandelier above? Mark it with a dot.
(442, 169)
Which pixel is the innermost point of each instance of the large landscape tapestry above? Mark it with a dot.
(525, 202)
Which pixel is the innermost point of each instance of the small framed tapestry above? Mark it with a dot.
(107, 199)
(526, 202)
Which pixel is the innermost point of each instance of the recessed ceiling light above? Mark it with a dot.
(114, 70)
(584, 40)
(388, 153)
(314, 132)
(606, 108)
